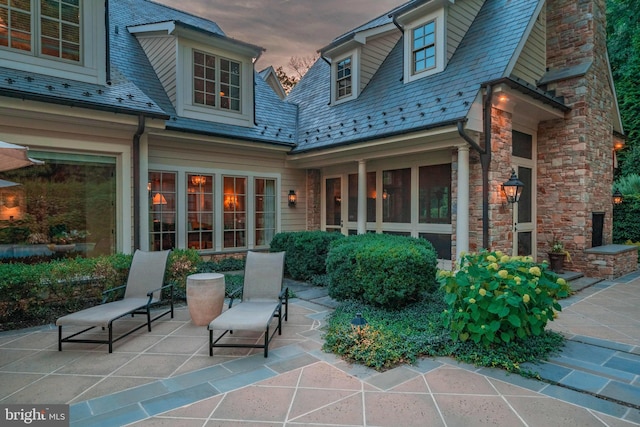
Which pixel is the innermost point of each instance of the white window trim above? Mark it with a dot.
(184, 101)
(92, 66)
(441, 49)
(355, 76)
(218, 214)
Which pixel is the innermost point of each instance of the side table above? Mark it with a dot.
(205, 297)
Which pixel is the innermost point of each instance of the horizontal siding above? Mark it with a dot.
(220, 159)
(459, 18)
(531, 63)
(373, 54)
(161, 52)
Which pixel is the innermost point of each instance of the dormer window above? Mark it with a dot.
(343, 78)
(424, 47)
(42, 27)
(216, 81)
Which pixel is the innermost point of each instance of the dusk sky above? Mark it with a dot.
(285, 28)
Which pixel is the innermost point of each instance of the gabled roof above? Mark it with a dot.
(128, 56)
(135, 88)
(388, 106)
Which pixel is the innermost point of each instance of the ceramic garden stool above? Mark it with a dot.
(205, 297)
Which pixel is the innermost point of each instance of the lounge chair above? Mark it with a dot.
(143, 290)
(262, 300)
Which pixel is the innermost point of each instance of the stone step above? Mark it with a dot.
(599, 368)
(578, 281)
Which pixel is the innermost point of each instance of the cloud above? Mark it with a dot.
(286, 28)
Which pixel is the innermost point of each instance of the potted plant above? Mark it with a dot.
(557, 255)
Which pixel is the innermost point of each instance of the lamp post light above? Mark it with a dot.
(512, 189)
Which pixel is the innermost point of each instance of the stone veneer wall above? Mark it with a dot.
(314, 196)
(575, 155)
(500, 212)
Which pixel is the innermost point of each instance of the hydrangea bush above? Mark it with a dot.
(495, 298)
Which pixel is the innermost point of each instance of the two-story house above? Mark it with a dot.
(158, 132)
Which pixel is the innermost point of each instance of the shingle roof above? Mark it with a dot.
(388, 106)
(122, 96)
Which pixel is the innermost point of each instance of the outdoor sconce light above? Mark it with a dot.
(617, 197)
(293, 199)
(512, 189)
(358, 321)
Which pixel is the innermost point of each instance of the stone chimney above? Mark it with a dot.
(575, 154)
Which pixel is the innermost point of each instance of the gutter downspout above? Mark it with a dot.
(255, 121)
(399, 27)
(136, 181)
(107, 42)
(485, 160)
(330, 72)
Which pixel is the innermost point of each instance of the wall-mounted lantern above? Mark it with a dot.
(617, 197)
(512, 189)
(293, 199)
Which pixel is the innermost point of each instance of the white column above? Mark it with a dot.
(362, 196)
(462, 218)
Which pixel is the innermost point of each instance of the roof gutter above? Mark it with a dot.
(80, 104)
(378, 137)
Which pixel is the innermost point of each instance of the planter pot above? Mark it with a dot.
(556, 262)
(205, 297)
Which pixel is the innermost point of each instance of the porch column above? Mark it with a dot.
(462, 210)
(362, 196)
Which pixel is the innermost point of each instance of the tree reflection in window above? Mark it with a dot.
(435, 194)
(64, 207)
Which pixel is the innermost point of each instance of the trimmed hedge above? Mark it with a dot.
(36, 294)
(380, 269)
(306, 252)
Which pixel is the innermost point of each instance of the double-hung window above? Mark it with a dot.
(50, 28)
(216, 81)
(343, 78)
(424, 47)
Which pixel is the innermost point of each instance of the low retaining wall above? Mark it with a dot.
(611, 261)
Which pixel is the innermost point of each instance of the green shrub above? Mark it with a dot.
(625, 219)
(496, 298)
(380, 269)
(306, 251)
(628, 184)
(182, 262)
(35, 294)
(225, 264)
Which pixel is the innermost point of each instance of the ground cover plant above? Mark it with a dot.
(512, 297)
